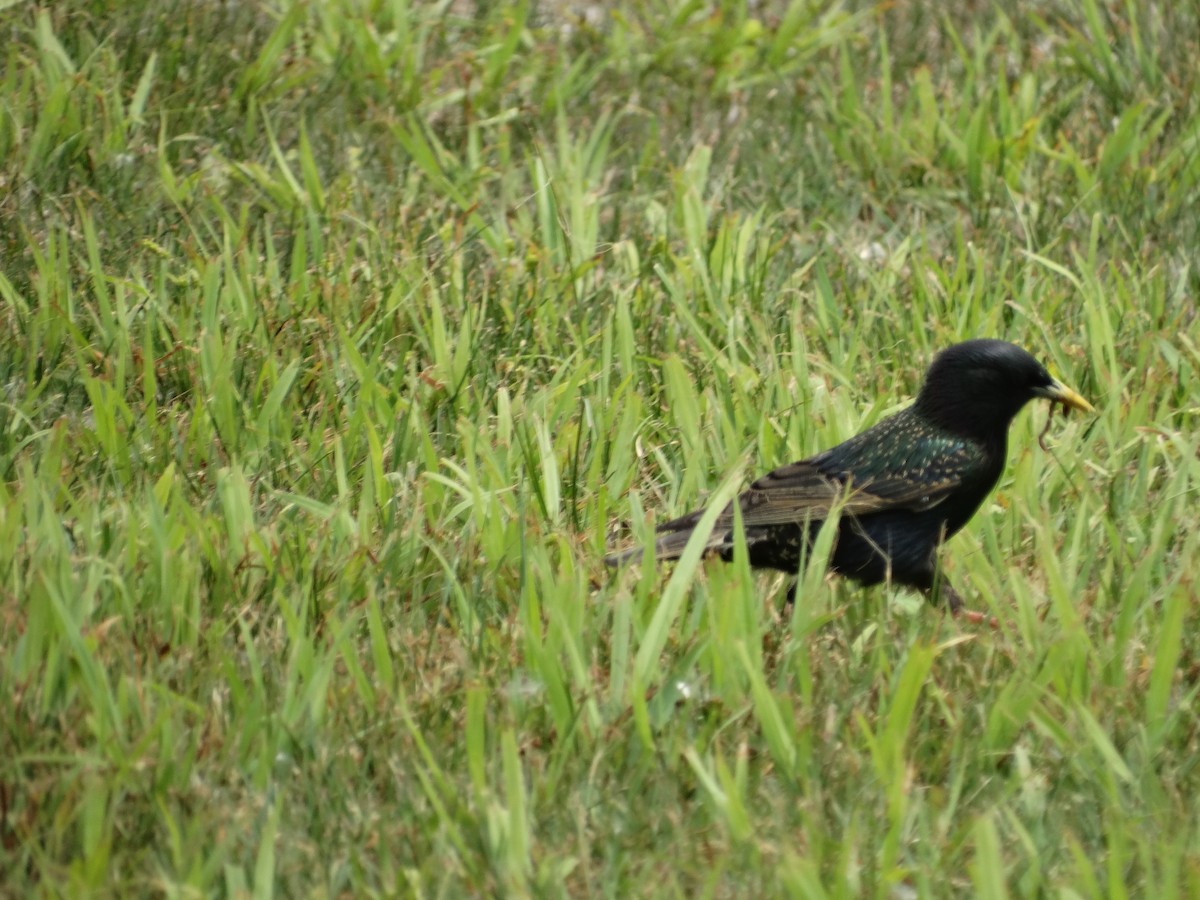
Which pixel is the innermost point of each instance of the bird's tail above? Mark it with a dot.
(669, 545)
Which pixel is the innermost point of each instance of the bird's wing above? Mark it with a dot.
(890, 466)
(809, 490)
(800, 491)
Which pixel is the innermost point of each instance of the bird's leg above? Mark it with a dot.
(977, 618)
(944, 592)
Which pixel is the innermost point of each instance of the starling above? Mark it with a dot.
(904, 485)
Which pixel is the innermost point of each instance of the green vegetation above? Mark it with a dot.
(338, 339)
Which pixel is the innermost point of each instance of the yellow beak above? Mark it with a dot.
(1060, 393)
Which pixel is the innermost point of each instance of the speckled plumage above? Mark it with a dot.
(904, 485)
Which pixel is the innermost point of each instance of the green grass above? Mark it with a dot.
(337, 341)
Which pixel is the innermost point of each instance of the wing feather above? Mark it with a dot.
(856, 475)
(899, 464)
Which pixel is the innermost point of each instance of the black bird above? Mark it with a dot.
(904, 485)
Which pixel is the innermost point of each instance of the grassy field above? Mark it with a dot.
(338, 340)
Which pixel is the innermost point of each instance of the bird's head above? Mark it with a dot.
(976, 388)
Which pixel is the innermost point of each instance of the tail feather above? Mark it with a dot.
(668, 546)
